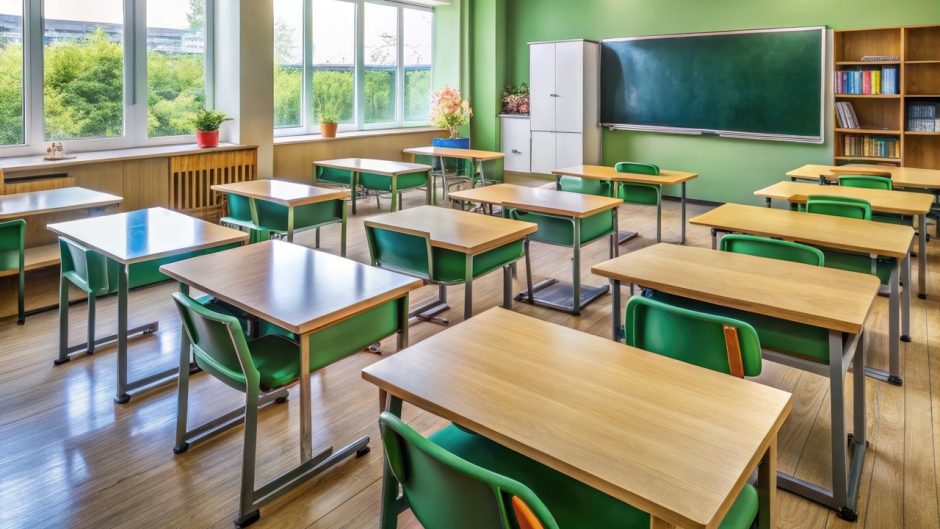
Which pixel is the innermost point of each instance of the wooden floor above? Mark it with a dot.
(70, 457)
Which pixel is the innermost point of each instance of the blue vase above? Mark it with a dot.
(451, 143)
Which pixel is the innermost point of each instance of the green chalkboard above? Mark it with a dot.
(761, 83)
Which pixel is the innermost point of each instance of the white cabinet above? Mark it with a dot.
(516, 143)
(563, 85)
(554, 150)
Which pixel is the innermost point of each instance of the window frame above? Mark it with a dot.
(135, 118)
(309, 125)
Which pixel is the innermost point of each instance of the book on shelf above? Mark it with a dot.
(881, 58)
(845, 113)
(922, 117)
(867, 146)
(867, 81)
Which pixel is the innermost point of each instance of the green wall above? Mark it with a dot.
(730, 169)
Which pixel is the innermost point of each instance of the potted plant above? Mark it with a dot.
(207, 123)
(328, 107)
(449, 111)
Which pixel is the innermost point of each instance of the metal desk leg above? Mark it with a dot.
(395, 204)
(507, 286)
(122, 396)
(290, 227)
(576, 269)
(468, 289)
(444, 192)
(893, 376)
(615, 329)
(906, 299)
(306, 429)
(392, 504)
(682, 200)
(768, 201)
(342, 228)
(922, 258)
(843, 495)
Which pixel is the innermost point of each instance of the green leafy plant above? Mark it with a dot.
(329, 99)
(209, 120)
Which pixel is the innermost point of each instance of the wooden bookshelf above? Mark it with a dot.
(886, 115)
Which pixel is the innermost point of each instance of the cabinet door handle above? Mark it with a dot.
(516, 151)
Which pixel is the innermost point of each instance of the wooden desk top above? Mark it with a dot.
(146, 234)
(39, 202)
(447, 152)
(882, 201)
(837, 233)
(667, 437)
(368, 165)
(295, 287)
(901, 176)
(452, 229)
(288, 194)
(603, 172)
(824, 297)
(538, 199)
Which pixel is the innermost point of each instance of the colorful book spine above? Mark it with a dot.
(867, 82)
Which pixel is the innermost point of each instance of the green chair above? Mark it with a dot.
(93, 274)
(642, 194)
(865, 181)
(772, 248)
(279, 219)
(712, 341)
(396, 185)
(412, 254)
(459, 480)
(855, 208)
(585, 186)
(13, 257)
(259, 368)
(339, 177)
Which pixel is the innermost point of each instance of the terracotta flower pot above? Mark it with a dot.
(328, 130)
(207, 138)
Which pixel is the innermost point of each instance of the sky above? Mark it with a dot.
(160, 13)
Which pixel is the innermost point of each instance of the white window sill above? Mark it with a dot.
(311, 138)
(33, 162)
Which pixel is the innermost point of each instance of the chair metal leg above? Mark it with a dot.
(182, 395)
(91, 323)
(248, 512)
(21, 297)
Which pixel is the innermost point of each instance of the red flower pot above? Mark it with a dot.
(207, 138)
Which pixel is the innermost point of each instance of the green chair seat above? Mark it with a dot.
(775, 334)
(384, 183)
(573, 504)
(560, 231)
(273, 216)
(585, 186)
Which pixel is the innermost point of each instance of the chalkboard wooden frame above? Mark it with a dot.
(824, 62)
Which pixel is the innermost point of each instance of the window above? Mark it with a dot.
(368, 64)
(176, 65)
(92, 89)
(11, 72)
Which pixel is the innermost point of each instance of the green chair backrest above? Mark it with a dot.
(693, 337)
(219, 345)
(855, 208)
(772, 248)
(12, 242)
(87, 269)
(585, 186)
(644, 194)
(404, 252)
(637, 168)
(239, 207)
(445, 491)
(866, 181)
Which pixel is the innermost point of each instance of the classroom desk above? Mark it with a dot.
(34, 203)
(462, 232)
(137, 237)
(836, 233)
(378, 168)
(882, 201)
(573, 207)
(291, 196)
(912, 177)
(830, 299)
(624, 421)
(474, 156)
(665, 177)
(304, 291)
